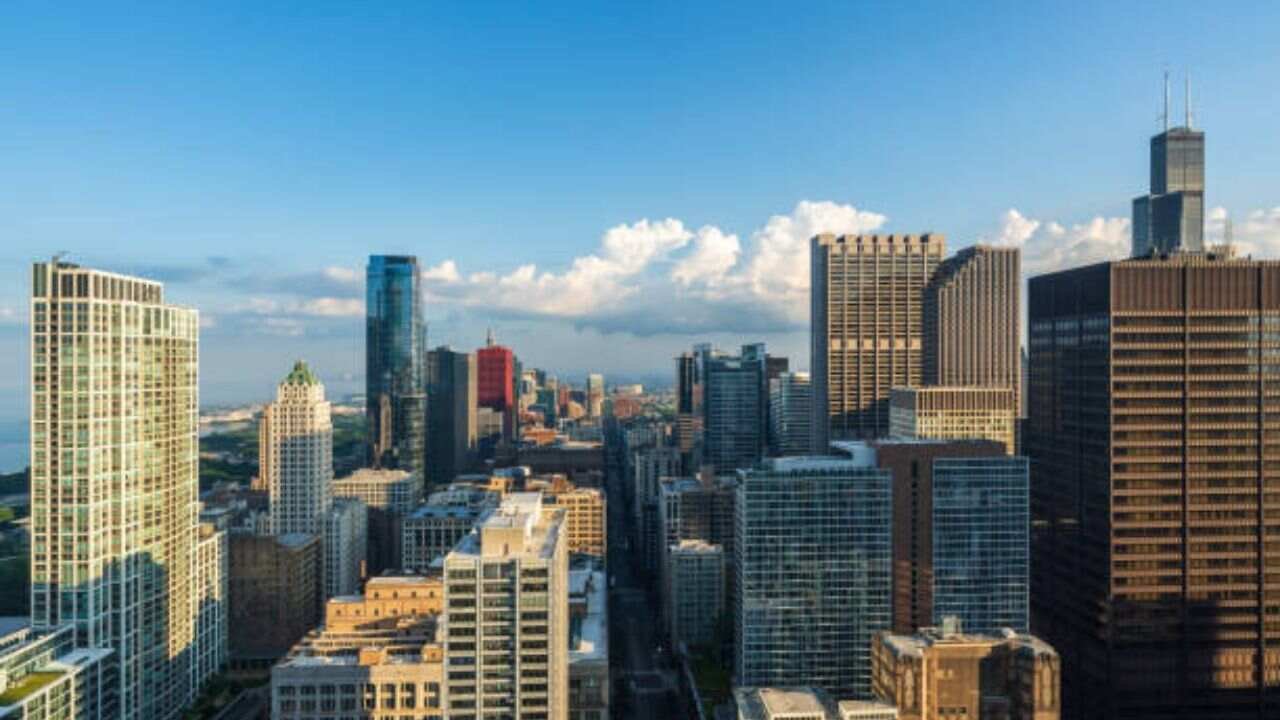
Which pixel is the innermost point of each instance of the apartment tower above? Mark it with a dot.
(295, 451)
(866, 328)
(115, 533)
(507, 612)
(1153, 409)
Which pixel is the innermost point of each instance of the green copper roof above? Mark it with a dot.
(301, 375)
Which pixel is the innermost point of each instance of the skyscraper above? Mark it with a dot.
(495, 385)
(395, 356)
(295, 453)
(451, 432)
(1171, 217)
(790, 414)
(954, 413)
(813, 581)
(734, 405)
(972, 320)
(867, 328)
(116, 538)
(1151, 420)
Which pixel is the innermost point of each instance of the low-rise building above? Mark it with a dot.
(377, 656)
(944, 672)
(805, 703)
(44, 676)
(584, 513)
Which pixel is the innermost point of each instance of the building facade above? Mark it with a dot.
(395, 357)
(867, 328)
(589, 687)
(694, 595)
(973, 320)
(1151, 413)
(790, 414)
(813, 579)
(452, 429)
(507, 610)
(944, 673)
(346, 547)
(295, 453)
(274, 595)
(43, 676)
(431, 531)
(585, 514)
(388, 495)
(734, 408)
(955, 413)
(495, 386)
(114, 457)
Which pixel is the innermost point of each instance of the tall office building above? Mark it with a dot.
(395, 357)
(274, 595)
(451, 431)
(688, 425)
(790, 414)
(507, 610)
(866, 328)
(734, 406)
(115, 543)
(1171, 217)
(295, 453)
(346, 547)
(495, 383)
(813, 579)
(972, 320)
(1151, 415)
(955, 413)
(960, 529)
(693, 594)
(389, 495)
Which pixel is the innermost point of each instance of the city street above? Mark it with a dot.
(644, 682)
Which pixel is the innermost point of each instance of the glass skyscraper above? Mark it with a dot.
(813, 582)
(735, 404)
(395, 364)
(1171, 217)
(981, 522)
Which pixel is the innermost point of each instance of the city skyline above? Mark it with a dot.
(614, 232)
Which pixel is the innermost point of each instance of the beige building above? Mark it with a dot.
(377, 657)
(944, 673)
(295, 450)
(803, 703)
(584, 513)
(115, 532)
(506, 600)
(955, 413)
(389, 495)
(972, 321)
(867, 328)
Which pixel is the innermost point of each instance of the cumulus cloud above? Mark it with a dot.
(328, 282)
(1049, 245)
(1256, 234)
(657, 277)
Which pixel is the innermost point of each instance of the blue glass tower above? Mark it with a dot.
(981, 542)
(395, 364)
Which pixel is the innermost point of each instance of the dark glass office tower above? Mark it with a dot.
(734, 408)
(451, 432)
(1171, 217)
(395, 353)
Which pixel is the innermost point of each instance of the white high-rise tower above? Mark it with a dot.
(295, 450)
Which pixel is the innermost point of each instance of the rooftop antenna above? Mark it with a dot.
(1166, 100)
(1188, 99)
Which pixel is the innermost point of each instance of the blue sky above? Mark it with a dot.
(657, 164)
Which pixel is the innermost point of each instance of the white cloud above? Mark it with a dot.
(714, 254)
(1049, 245)
(1256, 234)
(312, 307)
(345, 275)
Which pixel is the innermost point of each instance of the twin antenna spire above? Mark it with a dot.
(1187, 101)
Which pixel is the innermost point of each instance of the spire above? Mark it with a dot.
(1166, 100)
(1188, 100)
(490, 340)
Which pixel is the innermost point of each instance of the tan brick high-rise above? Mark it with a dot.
(972, 319)
(867, 327)
(1154, 434)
